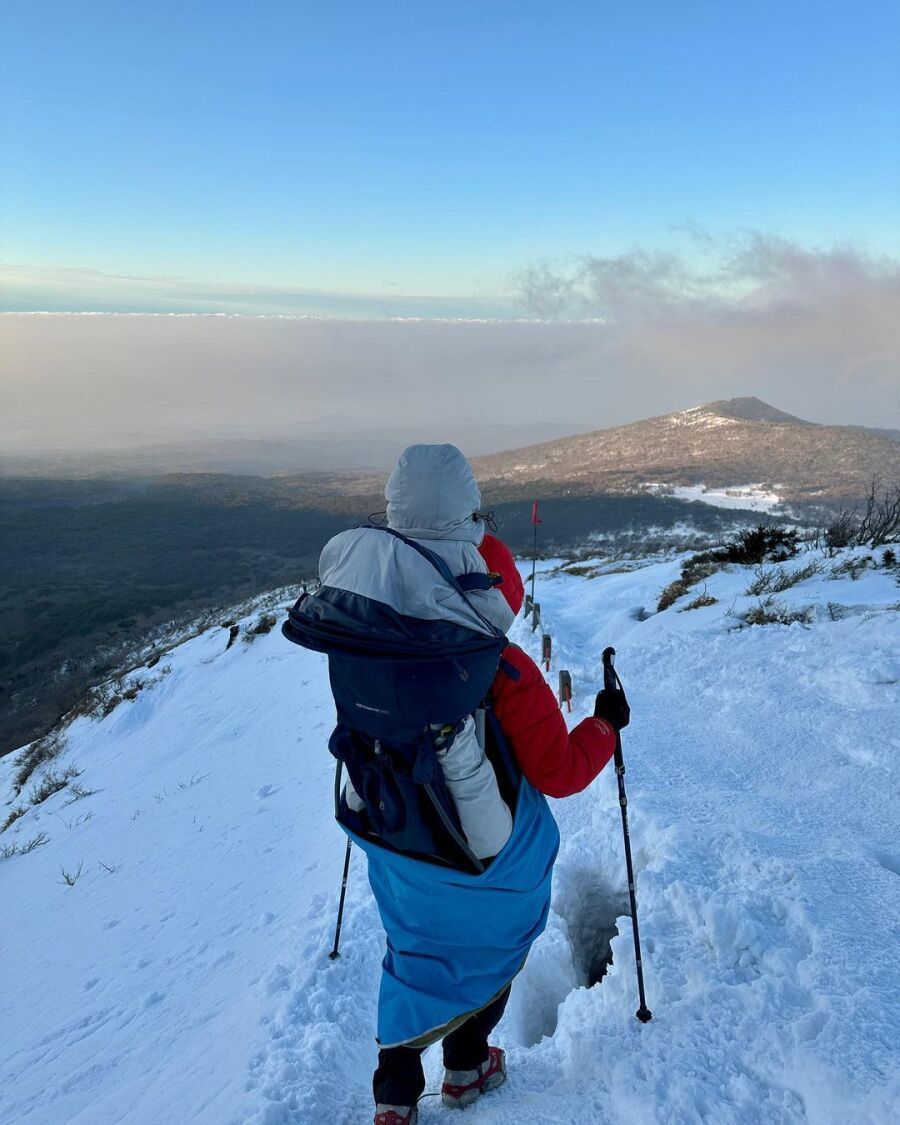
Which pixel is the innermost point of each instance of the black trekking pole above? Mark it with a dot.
(612, 684)
(335, 953)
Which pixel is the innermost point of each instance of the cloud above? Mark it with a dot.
(814, 332)
(723, 279)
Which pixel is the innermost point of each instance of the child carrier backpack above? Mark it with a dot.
(402, 688)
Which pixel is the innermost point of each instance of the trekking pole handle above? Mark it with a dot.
(610, 677)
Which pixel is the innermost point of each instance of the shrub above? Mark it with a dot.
(671, 594)
(700, 601)
(761, 584)
(696, 569)
(841, 532)
(770, 612)
(102, 700)
(40, 751)
(14, 813)
(758, 544)
(849, 568)
(107, 697)
(264, 624)
(35, 842)
(70, 878)
(78, 793)
(581, 571)
(889, 559)
(52, 782)
(780, 578)
(699, 567)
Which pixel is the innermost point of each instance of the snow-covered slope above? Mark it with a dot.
(184, 976)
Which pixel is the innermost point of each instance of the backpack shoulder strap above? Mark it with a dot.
(512, 773)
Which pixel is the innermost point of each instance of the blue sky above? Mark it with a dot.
(409, 158)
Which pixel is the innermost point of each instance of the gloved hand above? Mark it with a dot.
(612, 706)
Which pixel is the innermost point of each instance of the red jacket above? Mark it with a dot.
(555, 761)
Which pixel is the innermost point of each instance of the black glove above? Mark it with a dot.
(612, 706)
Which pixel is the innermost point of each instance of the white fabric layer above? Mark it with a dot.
(377, 565)
(484, 815)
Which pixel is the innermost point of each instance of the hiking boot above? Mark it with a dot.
(462, 1087)
(396, 1115)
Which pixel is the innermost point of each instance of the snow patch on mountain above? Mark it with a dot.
(701, 418)
(739, 497)
(184, 976)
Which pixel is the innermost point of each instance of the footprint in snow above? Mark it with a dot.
(890, 861)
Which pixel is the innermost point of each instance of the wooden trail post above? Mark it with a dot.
(565, 688)
(535, 615)
(546, 650)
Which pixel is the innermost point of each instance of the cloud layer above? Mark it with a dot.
(27, 288)
(815, 332)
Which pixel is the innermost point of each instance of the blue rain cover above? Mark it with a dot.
(455, 940)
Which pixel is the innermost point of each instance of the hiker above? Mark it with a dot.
(459, 838)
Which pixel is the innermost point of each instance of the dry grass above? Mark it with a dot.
(52, 782)
(700, 601)
(14, 814)
(40, 751)
(263, 624)
(671, 594)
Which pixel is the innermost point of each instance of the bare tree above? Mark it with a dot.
(880, 520)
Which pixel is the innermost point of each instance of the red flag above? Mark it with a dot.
(534, 513)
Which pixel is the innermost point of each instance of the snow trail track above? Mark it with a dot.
(193, 983)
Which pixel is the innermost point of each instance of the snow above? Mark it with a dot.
(701, 418)
(743, 497)
(191, 981)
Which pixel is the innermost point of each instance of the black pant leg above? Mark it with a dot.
(467, 1047)
(399, 1079)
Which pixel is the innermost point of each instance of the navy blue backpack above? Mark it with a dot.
(402, 687)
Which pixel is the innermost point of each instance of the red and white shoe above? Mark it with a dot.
(462, 1087)
(396, 1115)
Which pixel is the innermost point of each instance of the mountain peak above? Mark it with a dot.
(750, 409)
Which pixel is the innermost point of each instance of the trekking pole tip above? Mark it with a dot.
(334, 955)
(644, 1014)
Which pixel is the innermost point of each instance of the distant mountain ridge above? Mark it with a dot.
(338, 445)
(750, 409)
(729, 442)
